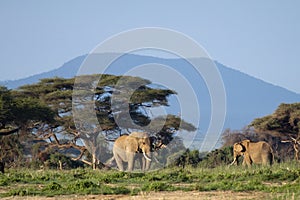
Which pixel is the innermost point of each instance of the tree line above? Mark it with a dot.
(37, 126)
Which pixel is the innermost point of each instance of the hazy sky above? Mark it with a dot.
(261, 38)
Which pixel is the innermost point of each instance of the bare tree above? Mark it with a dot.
(296, 145)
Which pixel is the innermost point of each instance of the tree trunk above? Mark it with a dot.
(296, 148)
(60, 165)
(94, 161)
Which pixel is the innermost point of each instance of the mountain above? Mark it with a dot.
(247, 97)
(67, 70)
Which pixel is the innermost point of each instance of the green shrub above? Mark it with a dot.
(53, 186)
(22, 192)
(157, 186)
(82, 185)
(217, 157)
(4, 182)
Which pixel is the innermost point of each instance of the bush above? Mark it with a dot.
(157, 186)
(53, 186)
(182, 159)
(217, 157)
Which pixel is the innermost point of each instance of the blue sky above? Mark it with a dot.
(257, 37)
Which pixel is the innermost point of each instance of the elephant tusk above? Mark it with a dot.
(149, 159)
(233, 161)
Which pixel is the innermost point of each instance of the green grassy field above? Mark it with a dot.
(281, 181)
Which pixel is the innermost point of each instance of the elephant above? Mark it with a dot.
(253, 152)
(127, 148)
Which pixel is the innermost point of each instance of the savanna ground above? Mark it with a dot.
(280, 181)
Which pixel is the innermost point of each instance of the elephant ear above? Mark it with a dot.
(133, 143)
(239, 147)
(245, 143)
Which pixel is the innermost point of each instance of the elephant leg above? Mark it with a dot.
(267, 159)
(244, 162)
(130, 157)
(119, 162)
(142, 162)
(147, 164)
(247, 160)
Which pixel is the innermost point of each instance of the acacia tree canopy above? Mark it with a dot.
(19, 112)
(62, 133)
(285, 120)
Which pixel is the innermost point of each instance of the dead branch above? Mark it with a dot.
(295, 142)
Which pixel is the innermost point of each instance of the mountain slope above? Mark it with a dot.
(247, 97)
(67, 70)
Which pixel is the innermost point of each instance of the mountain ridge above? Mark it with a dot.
(14, 83)
(247, 97)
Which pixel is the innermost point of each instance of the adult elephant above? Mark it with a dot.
(128, 147)
(253, 152)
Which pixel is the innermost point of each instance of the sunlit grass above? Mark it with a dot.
(281, 181)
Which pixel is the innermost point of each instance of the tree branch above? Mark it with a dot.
(86, 162)
(80, 156)
(8, 132)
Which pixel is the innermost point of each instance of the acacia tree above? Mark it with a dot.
(19, 114)
(60, 133)
(6, 115)
(283, 125)
(90, 136)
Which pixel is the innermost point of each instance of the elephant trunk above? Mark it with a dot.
(147, 158)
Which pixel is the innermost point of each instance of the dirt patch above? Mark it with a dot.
(176, 195)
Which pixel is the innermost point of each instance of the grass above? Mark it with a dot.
(281, 181)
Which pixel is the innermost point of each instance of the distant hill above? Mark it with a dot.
(247, 97)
